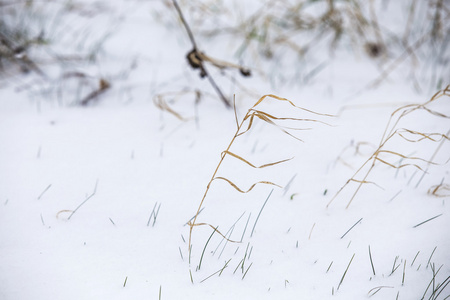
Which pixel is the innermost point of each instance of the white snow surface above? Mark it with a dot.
(139, 174)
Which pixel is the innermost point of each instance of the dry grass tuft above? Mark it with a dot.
(381, 154)
(243, 127)
(441, 190)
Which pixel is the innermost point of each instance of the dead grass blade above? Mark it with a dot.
(215, 230)
(252, 165)
(103, 86)
(162, 105)
(251, 187)
(440, 190)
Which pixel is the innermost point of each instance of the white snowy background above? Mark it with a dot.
(95, 199)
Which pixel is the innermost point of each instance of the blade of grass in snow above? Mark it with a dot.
(245, 228)
(394, 267)
(229, 232)
(371, 262)
(404, 271)
(288, 185)
(219, 271)
(343, 276)
(43, 192)
(181, 254)
(395, 196)
(415, 258)
(257, 218)
(427, 221)
(432, 281)
(204, 248)
(87, 198)
(440, 288)
(329, 267)
(428, 263)
(377, 289)
(351, 228)
(246, 270)
(312, 228)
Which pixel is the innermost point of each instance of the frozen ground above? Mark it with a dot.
(94, 201)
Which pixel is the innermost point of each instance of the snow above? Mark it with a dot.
(95, 201)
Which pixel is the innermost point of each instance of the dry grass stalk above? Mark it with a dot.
(103, 86)
(441, 190)
(160, 101)
(392, 130)
(243, 127)
(197, 59)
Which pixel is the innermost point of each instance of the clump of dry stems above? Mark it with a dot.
(305, 27)
(252, 115)
(198, 59)
(412, 136)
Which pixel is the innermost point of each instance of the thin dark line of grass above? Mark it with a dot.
(223, 249)
(155, 215)
(415, 258)
(395, 196)
(394, 268)
(200, 211)
(190, 248)
(219, 271)
(404, 271)
(152, 213)
(211, 275)
(441, 286)
(42, 194)
(204, 248)
(239, 264)
(229, 233)
(225, 266)
(197, 54)
(246, 271)
(87, 198)
(329, 267)
(431, 256)
(371, 262)
(288, 185)
(257, 218)
(431, 281)
(245, 257)
(245, 228)
(181, 254)
(186, 25)
(427, 220)
(343, 276)
(351, 228)
(378, 288)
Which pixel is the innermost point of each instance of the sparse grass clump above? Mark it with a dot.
(383, 154)
(253, 115)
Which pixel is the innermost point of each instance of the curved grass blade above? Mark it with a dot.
(251, 187)
(252, 165)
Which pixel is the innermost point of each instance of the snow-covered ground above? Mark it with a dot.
(95, 200)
